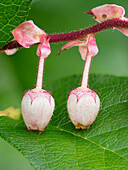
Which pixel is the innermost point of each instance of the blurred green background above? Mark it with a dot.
(18, 72)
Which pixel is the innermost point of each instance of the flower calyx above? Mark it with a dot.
(44, 48)
(88, 47)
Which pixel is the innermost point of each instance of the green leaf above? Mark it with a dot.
(61, 146)
(12, 13)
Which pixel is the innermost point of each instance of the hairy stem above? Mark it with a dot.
(84, 82)
(80, 34)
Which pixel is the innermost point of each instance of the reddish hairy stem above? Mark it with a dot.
(80, 34)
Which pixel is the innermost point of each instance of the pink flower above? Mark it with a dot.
(107, 12)
(37, 104)
(83, 104)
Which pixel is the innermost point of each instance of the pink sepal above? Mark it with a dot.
(43, 48)
(83, 51)
(11, 52)
(27, 33)
(88, 47)
(92, 46)
(72, 44)
(107, 11)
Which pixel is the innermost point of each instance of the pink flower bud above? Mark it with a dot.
(27, 34)
(37, 108)
(83, 105)
(72, 44)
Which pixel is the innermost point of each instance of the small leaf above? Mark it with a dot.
(12, 13)
(11, 112)
(61, 146)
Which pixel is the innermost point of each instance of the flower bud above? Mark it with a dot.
(37, 108)
(83, 105)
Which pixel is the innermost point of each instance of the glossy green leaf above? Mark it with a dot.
(60, 146)
(12, 13)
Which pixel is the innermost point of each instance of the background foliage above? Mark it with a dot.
(11, 14)
(18, 72)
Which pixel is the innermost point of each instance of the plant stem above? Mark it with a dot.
(80, 34)
(85, 76)
(39, 82)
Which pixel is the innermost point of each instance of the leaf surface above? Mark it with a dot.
(61, 146)
(12, 13)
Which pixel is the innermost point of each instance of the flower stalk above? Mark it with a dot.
(85, 76)
(39, 83)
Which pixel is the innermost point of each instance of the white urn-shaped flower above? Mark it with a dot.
(83, 105)
(37, 108)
